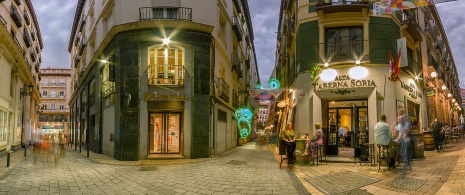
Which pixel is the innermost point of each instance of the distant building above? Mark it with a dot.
(160, 79)
(20, 51)
(56, 91)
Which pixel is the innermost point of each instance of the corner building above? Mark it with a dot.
(20, 58)
(344, 39)
(160, 78)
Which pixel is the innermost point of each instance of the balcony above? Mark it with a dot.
(247, 62)
(108, 88)
(40, 76)
(82, 24)
(27, 38)
(336, 6)
(344, 51)
(18, 44)
(414, 68)
(166, 74)
(236, 64)
(165, 13)
(33, 36)
(237, 3)
(37, 66)
(18, 2)
(82, 45)
(223, 90)
(76, 61)
(26, 18)
(237, 28)
(32, 54)
(16, 16)
(413, 28)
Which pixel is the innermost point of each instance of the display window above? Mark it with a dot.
(165, 133)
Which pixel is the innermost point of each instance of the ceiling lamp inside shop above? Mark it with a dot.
(328, 74)
(358, 72)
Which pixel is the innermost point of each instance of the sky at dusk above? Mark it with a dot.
(56, 17)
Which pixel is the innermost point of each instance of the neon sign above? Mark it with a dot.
(244, 119)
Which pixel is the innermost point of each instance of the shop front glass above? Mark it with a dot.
(164, 134)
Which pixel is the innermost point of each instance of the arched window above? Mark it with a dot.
(166, 66)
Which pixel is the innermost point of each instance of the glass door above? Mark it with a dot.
(164, 133)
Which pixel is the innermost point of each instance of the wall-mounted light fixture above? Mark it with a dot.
(166, 41)
(26, 91)
(443, 87)
(434, 74)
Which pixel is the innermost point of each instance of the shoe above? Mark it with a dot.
(305, 154)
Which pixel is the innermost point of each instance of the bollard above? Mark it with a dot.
(8, 159)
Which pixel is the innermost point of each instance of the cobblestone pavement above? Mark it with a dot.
(438, 173)
(250, 169)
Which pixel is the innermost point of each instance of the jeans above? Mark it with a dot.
(290, 147)
(405, 152)
(437, 140)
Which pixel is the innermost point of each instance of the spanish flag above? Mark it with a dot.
(394, 67)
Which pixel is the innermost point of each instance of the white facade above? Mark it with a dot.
(20, 49)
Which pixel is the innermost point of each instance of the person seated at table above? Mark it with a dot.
(311, 145)
(383, 136)
(288, 140)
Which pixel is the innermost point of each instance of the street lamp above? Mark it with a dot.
(27, 91)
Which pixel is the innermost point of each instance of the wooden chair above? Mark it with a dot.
(455, 135)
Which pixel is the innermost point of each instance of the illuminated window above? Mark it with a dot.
(166, 66)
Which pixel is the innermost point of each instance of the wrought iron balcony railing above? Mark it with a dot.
(165, 13)
(223, 89)
(27, 19)
(82, 45)
(236, 24)
(108, 88)
(27, 38)
(16, 16)
(340, 51)
(334, 6)
(405, 17)
(166, 74)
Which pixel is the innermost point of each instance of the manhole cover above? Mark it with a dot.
(237, 162)
(341, 182)
(356, 192)
(406, 183)
(148, 168)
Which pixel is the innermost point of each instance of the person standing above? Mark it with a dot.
(383, 136)
(404, 139)
(437, 127)
(288, 140)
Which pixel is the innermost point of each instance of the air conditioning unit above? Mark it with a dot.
(436, 45)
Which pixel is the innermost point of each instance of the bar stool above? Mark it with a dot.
(385, 158)
(319, 154)
(367, 151)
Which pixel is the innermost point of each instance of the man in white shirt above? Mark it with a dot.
(383, 136)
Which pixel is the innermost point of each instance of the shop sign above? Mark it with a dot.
(412, 90)
(155, 96)
(344, 81)
(52, 127)
(430, 92)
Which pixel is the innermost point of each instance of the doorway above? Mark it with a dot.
(348, 127)
(164, 133)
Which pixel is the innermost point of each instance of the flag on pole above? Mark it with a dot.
(394, 67)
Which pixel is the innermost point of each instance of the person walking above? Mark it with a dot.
(404, 139)
(437, 126)
(288, 140)
(383, 136)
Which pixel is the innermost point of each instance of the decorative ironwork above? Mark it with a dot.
(343, 91)
(165, 13)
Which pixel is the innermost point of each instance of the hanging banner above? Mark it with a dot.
(265, 94)
(402, 50)
(387, 6)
